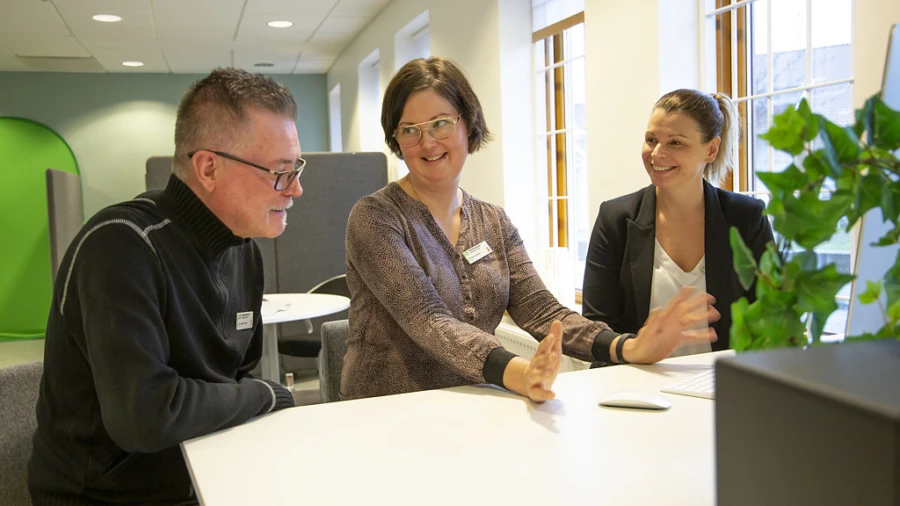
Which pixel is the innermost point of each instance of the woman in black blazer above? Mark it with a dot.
(681, 219)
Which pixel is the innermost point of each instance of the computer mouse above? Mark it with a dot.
(640, 399)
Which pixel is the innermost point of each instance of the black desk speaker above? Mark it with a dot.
(809, 427)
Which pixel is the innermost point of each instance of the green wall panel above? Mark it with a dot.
(27, 150)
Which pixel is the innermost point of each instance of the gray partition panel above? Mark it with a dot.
(159, 168)
(311, 249)
(65, 213)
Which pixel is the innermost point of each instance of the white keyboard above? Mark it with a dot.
(700, 385)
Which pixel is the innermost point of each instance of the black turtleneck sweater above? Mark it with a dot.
(143, 351)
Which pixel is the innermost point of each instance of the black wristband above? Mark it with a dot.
(620, 344)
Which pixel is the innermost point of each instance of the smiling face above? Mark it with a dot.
(674, 151)
(244, 198)
(433, 161)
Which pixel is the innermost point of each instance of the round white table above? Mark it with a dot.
(288, 307)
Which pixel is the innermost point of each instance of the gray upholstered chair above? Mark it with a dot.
(65, 213)
(19, 386)
(334, 347)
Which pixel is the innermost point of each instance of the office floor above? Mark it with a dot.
(306, 382)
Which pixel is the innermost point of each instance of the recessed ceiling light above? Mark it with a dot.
(107, 18)
(263, 64)
(133, 63)
(280, 24)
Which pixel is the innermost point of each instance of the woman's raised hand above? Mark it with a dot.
(683, 320)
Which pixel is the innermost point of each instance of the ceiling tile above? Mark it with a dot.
(360, 8)
(254, 30)
(198, 60)
(136, 25)
(315, 9)
(29, 19)
(112, 59)
(57, 47)
(339, 29)
(322, 51)
(9, 62)
(313, 66)
(212, 21)
(182, 36)
(283, 61)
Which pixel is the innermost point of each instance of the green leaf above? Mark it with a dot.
(778, 321)
(886, 133)
(817, 325)
(739, 334)
(785, 182)
(865, 120)
(811, 121)
(809, 221)
(817, 166)
(870, 194)
(787, 132)
(873, 291)
(744, 263)
(894, 311)
(889, 193)
(816, 289)
(841, 145)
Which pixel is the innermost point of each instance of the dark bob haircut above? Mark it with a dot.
(448, 80)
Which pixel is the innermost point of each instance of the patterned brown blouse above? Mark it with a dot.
(422, 317)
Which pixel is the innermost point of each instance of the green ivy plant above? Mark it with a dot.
(792, 292)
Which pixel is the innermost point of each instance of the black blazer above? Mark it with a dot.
(619, 265)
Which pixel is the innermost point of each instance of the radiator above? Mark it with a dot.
(522, 344)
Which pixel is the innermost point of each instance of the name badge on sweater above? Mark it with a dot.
(477, 252)
(244, 320)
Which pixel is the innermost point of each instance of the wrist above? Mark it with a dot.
(514, 375)
(625, 349)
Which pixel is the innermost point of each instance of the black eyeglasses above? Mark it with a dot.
(283, 178)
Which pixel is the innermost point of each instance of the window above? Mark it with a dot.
(768, 55)
(334, 119)
(411, 42)
(371, 138)
(562, 143)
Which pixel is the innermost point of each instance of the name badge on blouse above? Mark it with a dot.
(477, 252)
(244, 320)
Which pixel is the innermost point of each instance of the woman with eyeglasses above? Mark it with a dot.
(432, 269)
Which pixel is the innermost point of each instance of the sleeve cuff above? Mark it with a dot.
(600, 348)
(495, 365)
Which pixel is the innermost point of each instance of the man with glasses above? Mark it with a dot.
(155, 320)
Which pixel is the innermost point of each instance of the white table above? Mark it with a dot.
(473, 445)
(288, 307)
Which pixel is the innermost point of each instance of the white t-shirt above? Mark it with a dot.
(668, 279)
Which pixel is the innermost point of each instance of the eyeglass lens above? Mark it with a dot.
(441, 128)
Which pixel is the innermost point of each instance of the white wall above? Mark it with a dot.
(623, 71)
(490, 40)
(872, 22)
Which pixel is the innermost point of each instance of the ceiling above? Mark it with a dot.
(179, 36)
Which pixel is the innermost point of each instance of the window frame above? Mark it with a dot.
(558, 134)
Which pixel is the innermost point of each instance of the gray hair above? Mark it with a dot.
(213, 111)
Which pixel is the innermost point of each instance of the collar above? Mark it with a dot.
(199, 223)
